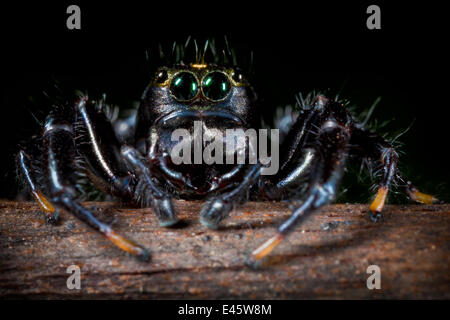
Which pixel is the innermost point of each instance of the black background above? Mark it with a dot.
(297, 47)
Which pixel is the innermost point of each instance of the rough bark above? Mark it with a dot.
(326, 257)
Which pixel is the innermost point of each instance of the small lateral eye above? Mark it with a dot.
(161, 76)
(184, 86)
(216, 86)
(238, 76)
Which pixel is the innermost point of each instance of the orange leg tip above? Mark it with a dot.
(422, 197)
(43, 203)
(128, 245)
(378, 204)
(267, 247)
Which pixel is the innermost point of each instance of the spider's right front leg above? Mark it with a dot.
(59, 178)
(110, 164)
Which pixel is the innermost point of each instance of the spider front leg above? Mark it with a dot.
(58, 170)
(110, 164)
(330, 130)
(99, 147)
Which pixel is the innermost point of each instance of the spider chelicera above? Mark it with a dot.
(79, 137)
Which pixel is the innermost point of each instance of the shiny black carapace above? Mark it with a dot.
(78, 137)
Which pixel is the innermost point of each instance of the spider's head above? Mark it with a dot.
(181, 94)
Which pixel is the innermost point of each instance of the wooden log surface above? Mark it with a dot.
(326, 257)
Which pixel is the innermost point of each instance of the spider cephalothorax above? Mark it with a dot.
(215, 98)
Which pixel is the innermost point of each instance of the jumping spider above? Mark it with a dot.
(313, 154)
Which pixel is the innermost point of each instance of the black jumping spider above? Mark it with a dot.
(313, 154)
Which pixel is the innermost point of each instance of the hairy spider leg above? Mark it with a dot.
(60, 151)
(368, 144)
(146, 191)
(29, 175)
(297, 156)
(332, 137)
(100, 148)
(414, 193)
(58, 168)
(389, 159)
(109, 164)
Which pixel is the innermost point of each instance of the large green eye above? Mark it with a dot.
(216, 86)
(184, 86)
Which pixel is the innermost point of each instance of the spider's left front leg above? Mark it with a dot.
(328, 148)
(218, 208)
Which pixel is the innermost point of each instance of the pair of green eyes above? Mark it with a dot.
(215, 86)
